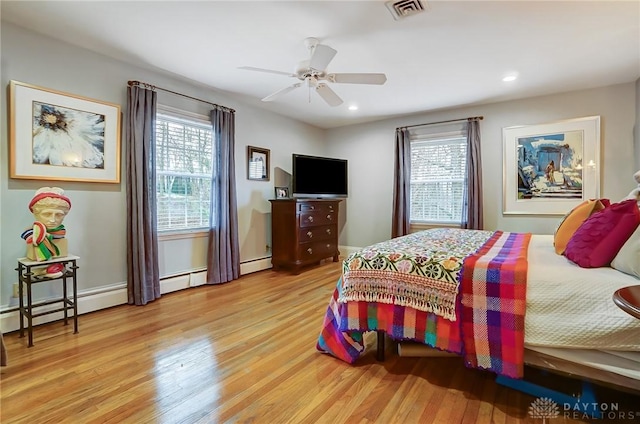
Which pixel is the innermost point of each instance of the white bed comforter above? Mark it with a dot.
(572, 307)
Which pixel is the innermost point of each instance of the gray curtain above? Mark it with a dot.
(143, 277)
(223, 259)
(401, 184)
(472, 208)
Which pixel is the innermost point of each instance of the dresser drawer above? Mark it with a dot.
(316, 250)
(317, 206)
(321, 232)
(315, 218)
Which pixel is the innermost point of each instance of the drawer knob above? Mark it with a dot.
(329, 217)
(328, 246)
(312, 207)
(328, 230)
(310, 234)
(310, 251)
(310, 219)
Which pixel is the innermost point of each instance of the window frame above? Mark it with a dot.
(175, 113)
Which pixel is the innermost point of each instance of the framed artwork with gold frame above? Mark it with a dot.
(62, 137)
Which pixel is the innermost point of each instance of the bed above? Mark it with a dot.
(499, 299)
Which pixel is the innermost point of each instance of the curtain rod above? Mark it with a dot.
(153, 87)
(472, 118)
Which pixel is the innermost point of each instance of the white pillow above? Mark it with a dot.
(628, 258)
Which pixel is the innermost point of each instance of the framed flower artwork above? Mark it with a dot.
(62, 137)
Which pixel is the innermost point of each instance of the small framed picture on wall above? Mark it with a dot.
(282, 192)
(257, 163)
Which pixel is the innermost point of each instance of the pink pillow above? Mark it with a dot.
(597, 241)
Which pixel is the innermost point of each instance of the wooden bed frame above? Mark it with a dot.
(557, 366)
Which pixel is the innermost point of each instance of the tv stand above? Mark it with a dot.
(304, 231)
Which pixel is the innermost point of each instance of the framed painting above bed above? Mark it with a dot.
(550, 168)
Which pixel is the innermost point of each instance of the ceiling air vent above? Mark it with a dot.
(403, 8)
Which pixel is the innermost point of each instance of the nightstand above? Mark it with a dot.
(628, 299)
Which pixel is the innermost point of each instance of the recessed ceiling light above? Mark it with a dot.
(510, 78)
(353, 107)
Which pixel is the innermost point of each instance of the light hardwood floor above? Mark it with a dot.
(237, 353)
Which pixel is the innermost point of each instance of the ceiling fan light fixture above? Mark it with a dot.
(353, 107)
(312, 73)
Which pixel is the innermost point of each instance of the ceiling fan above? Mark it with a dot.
(313, 74)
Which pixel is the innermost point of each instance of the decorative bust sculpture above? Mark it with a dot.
(46, 238)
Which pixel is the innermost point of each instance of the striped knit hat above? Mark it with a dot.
(53, 192)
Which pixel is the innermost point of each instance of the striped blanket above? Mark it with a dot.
(489, 330)
(494, 289)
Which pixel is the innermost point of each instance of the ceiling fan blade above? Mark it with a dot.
(270, 71)
(328, 95)
(378, 79)
(279, 93)
(321, 57)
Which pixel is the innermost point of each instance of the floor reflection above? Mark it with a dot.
(187, 383)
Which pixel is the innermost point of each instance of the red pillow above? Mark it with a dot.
(597, 241)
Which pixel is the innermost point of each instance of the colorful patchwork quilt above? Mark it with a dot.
(485, 323)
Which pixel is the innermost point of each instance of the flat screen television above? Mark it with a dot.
(318, 177)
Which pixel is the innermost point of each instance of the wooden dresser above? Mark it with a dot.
(303, 232)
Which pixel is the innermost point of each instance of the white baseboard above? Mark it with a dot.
(105, 297)
(255, 265)
(198, 278)
(171, 284)
(88, 301)
(345, 251)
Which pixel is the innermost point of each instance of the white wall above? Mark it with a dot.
(369, 149)
(96, 223)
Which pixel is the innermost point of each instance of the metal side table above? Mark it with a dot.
(27, 278)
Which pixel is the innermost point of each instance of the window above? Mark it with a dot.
(184, 159)
(437, 177)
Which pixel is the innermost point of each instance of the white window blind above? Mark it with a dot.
(184, 159)
(437, 177)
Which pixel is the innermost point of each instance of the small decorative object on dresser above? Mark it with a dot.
(304, 231)
(282, 192)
